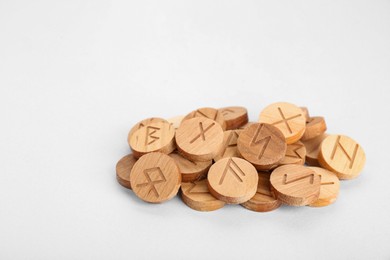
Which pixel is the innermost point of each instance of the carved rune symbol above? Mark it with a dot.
(294, 153)
(150, 137)
(339, 145)
(151, 183)
(231, 141)
(202, 132)
(227, 111)
(311, 176)
(198, 189)
(198, 112)
(232, 167)
(285, 120)
(265, 141)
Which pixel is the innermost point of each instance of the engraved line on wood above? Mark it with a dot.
(338, 144)
(229, 142)
(195, 192)
(311, 176)
(296, 154)
(230, 167)
(151, 183)
(285, 120)
(227, 111)
(202, 132)
(264, 140)
(150, 131)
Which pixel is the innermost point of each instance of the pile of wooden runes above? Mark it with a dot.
(216, 157)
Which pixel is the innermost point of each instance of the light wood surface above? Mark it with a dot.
(123, 169)
(229, 146)
(233, 180)
(175, 121)
(235, 117)
(288, 118)
(330, 186)
(155, 178)
(342, 155)
(246, 125)
(196, 195)
(295, 154)
(142, 124)
(210, 113)
(306, 114)
(313, 149)
(315, 127)
(263, 145)
(296, 185)
(199, 139)
(191, 170)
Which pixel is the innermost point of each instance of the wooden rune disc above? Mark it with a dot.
(155, 178)
(342, 155)
(190, 170)
(287, 117)
(210, 113)
(142, 124)
(263, 145)
(123, 169)
(295, 154)
(306, 114)
(246, 125)
(196, 195)
(235, 117)
(330, 186)
(154, 137)
(229, 146)
(232, 180)
(199, 139)
(264, 200)
(313, 149)
(175, 121)
(315, 127)
(295, 185)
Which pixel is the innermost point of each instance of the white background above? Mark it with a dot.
(76, 75)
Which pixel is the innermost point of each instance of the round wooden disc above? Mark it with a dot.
(306, 114)
(175, 121)
(263, 145)
(295, 154)
(246, 125)
(155, 178)
(232, 180)
(191, 170)
(210, 113)
(296, 185)
(313, 149)
(342, 155)
(142, 124)
(196, 195)
(154, 137)
(123, 169)
(287, 117)
(315, 127)
(235, 117)
(264, 200)
(229, 146)
(199, 139)
(329, 190)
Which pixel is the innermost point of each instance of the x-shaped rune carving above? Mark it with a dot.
(285, 120)
(202, 132)
(151, 183)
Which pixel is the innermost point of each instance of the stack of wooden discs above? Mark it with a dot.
(216, 157)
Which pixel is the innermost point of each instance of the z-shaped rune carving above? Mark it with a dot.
(264, 140)
(150, 131)
(229, 167)
(202, 132)
(285, 120)
(311, 176)
(149, 182)
(350, 159)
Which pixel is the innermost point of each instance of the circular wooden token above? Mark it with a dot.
(330, 186)
(154, 137)
(175, 121)
(287, 117)
(263, 145)
(142, 124)
(155, 178)
(295, 185)
(123, 169)
(232, 180)
(229, 146)
(342, 155)
(295, 154)
(191, 170)
(235, 117)
(313, 149)
(246, 125)
(196, 195)
(199, 139)
(210, 113)
(315, 127)
(306, 114)
(264, 200)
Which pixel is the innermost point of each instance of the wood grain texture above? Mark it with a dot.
(155, 178)
(296, 185)
(315, 127)
(196, 195)
(313, 149)
(190, 170)
(155, 137)
(175, 121)
(210, 113)
(123, 169)
(232, 180)
(264, 200)
(295, 154)
(246, 125)
(263, 145)
(288, 118)
(142, 124)
(199, 139)
(342, 155)
(229, 146)
(235, 117)
(330, 186)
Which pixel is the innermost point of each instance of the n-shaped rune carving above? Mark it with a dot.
(202, 132)
(311, 176)
(149, 182)
(150, 137)
(265, 141)
(232, 166)
(285, 120)
(339, 145)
